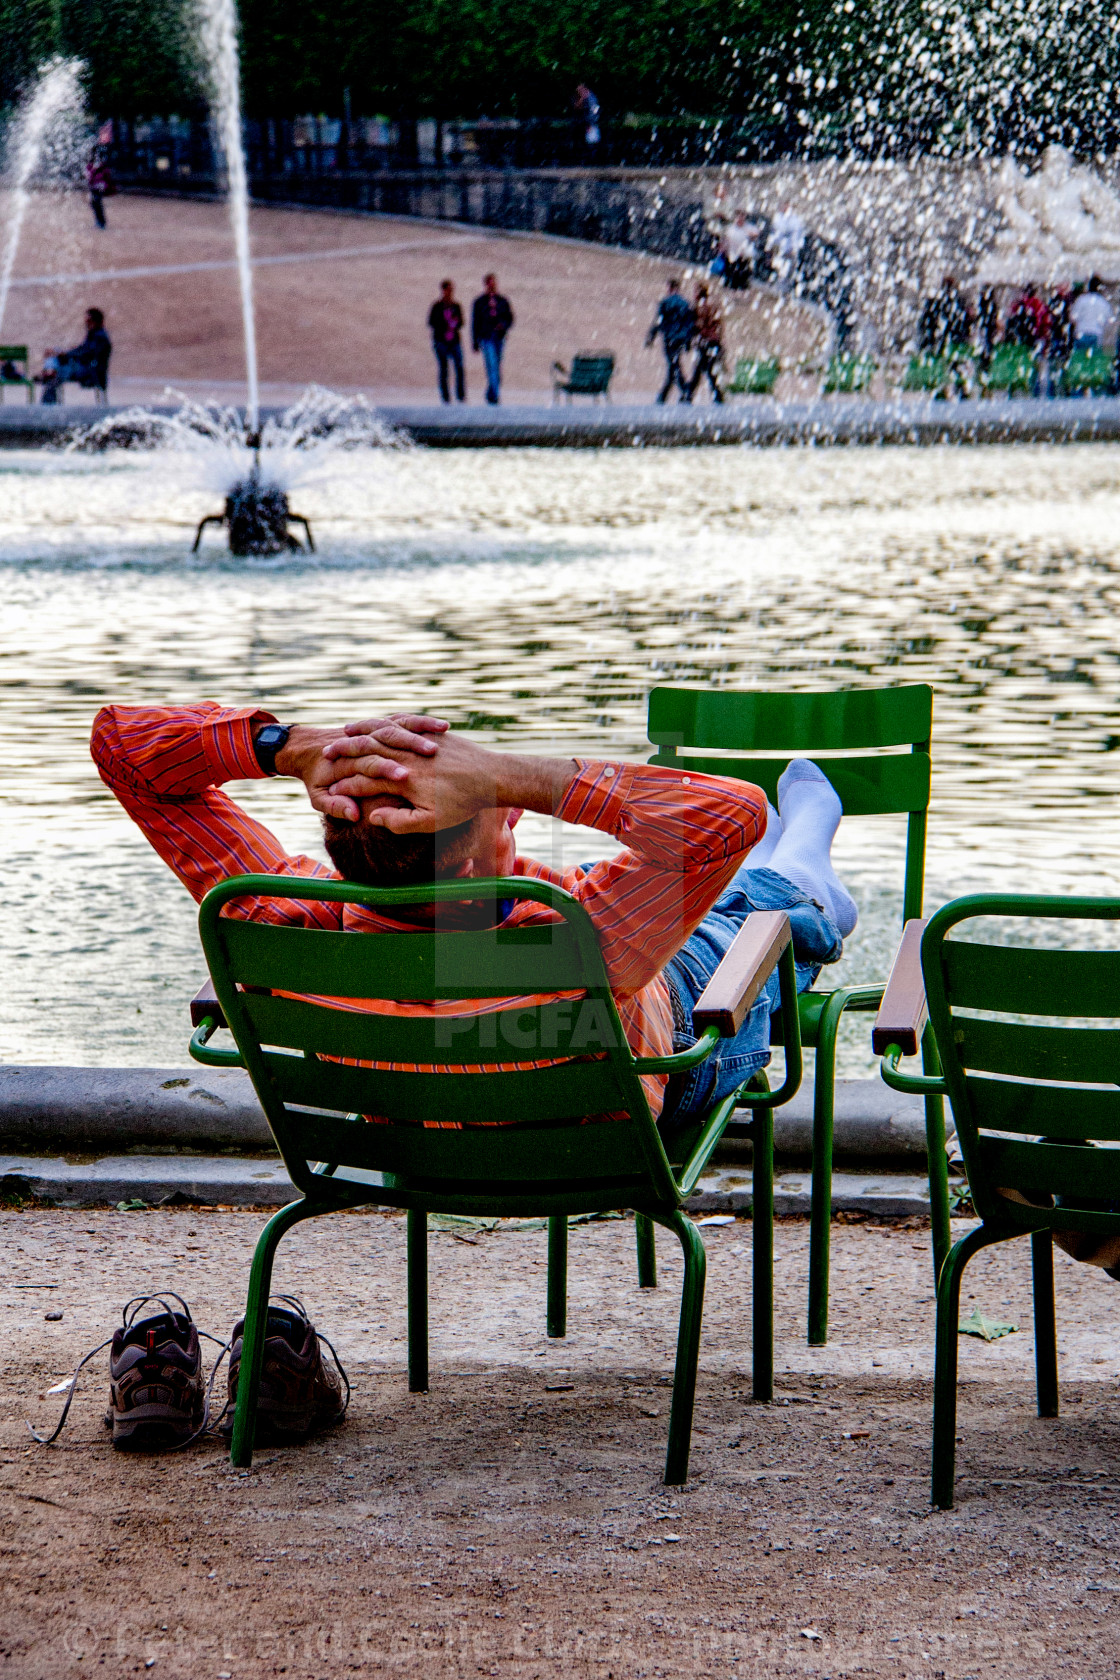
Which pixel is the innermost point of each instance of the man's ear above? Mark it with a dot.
(465, 870)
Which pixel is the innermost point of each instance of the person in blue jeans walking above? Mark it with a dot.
(676, 323)
(790, 869)
(491, 319)
(445, 323)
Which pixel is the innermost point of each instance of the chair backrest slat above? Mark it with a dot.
(1090, 1055)
(1054, 1169)
(1055, 1110)
(844, 720)
(569, 1091)
(1023, 980)
(577, 1027)
(608, 1154)
(503, 962)
(893, 782)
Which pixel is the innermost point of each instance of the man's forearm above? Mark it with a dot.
(534, 784)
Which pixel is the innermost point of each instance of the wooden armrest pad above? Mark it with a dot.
(205, 1002)
(902, 1013)
(743, 972)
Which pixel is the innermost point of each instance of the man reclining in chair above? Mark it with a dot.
(404, 800)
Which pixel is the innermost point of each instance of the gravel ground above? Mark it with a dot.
(512, 1522)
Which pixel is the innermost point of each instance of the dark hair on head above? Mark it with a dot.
(96, 316)
(446, 283)
(376, 857)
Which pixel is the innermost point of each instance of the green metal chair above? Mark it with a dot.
(10, 356)
(1029, 1098)
(849, 375)
(506, 1142)
(1013, 367)
(755, 376)
(864, 721)
(1086, 373)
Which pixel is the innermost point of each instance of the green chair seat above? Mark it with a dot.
(1087, 372)
(1013, 367)
(873, 744)
(521, 1144)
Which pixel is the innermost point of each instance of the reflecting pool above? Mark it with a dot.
(536, 596)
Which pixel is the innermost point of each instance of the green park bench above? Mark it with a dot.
(849, 374)
(755, 376)
(589, 376)
(1033, 1092)
(1087, 373)
(571, 1133)
(10, 356)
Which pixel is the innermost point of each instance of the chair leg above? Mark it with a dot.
(688, 1348)
(938, 1165)
(762, 1242)
(256, 1323)
(945, 1363)
(645, 1233)
(417, 1247)
(1045, 1333)
(820, 1211)
(556, 1309)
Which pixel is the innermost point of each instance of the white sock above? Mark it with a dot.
(760, 855)
(810, 814)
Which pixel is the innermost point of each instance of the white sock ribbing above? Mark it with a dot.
(810, 812)
(759, 857)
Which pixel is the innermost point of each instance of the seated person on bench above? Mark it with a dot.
(87, 364)
(403, 800)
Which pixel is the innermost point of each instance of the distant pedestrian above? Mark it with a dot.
(1060, 346)
(87, 364)
(1028, 322)
(708, 319)
(491, 319)
(987, 326)
(445, 322)
(787, 237)
(586, 125)
(1090, 316)
(100, 186)
(739, 247)
(675, 322)
(945, 324)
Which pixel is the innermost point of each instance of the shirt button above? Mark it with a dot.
(609, 769)
(686, 781)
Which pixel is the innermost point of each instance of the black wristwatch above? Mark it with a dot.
(268, 743)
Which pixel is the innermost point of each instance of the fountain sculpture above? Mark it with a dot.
(1062, 224)
(257, 515)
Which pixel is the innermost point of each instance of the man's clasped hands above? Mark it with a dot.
(409, 773)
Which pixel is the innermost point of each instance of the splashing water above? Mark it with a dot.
(206, 445)
(223, 62)
(51, 105)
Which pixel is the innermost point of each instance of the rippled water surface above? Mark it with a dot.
(536, 596)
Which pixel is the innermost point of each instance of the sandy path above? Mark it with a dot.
(341, 299)
(512, 1522)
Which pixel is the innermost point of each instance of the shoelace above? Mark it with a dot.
(297, 1305)
(129, 1315)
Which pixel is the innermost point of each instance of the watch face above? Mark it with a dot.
(272, 735)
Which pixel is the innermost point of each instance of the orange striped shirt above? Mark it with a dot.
(684, 836)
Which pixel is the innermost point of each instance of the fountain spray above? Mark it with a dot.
(223, 60)
(55, 94)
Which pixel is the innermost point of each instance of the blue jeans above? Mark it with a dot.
(492, 361)
(816, 941)
(450, 356)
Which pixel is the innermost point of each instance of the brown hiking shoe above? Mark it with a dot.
(299, 1394)
(158, 1398)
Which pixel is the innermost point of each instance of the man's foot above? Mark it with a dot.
(157, 1397)
(299, 1395)
(810, 811)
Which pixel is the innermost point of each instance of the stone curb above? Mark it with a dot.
(240, 1181)
(759, 421)
(51, 1110)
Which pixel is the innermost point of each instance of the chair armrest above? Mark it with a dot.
(749, 963)
(205, 1003)
(902, 1013)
